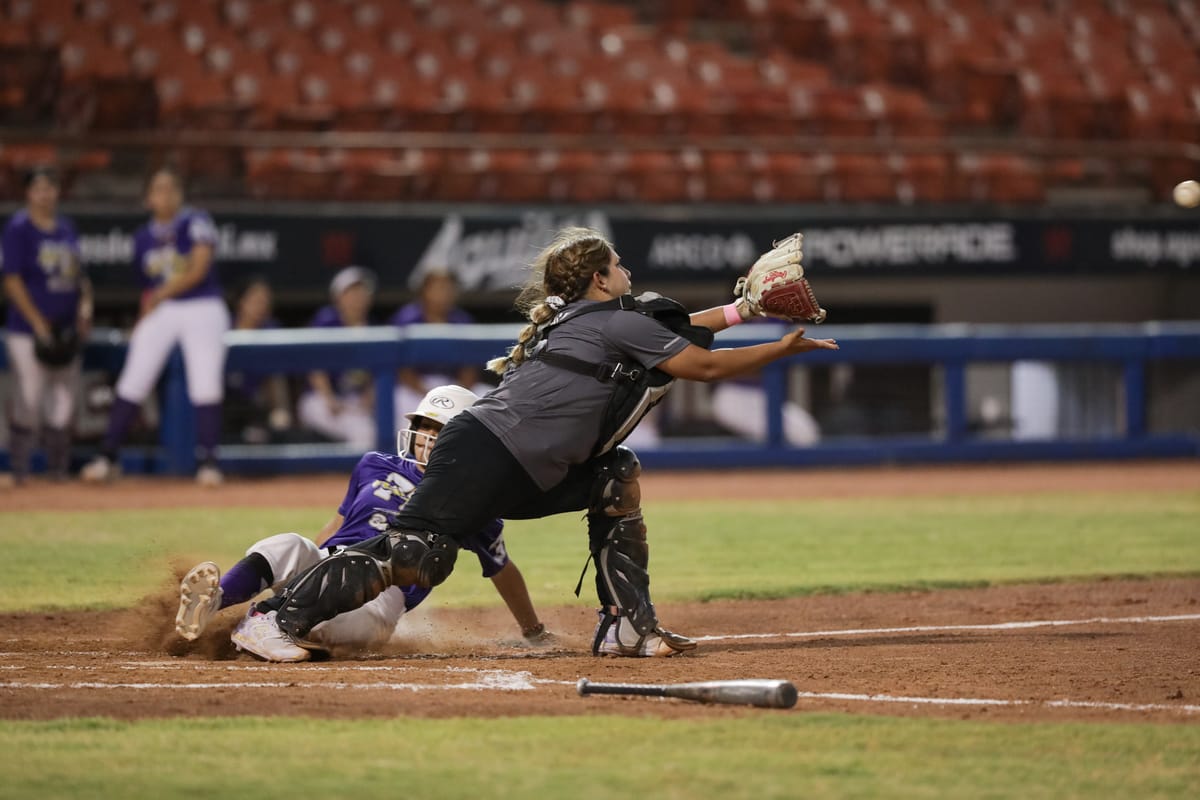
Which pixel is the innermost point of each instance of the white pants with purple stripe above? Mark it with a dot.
(39, 387)
(198, 326)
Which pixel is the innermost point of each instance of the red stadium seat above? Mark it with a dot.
(923, 178)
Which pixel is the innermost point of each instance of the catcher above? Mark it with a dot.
(380, 485)
(588, 366)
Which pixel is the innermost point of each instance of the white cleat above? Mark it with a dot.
(259, 634)
(199, 598)
(621, 639)
(100, 470)
(209, 476)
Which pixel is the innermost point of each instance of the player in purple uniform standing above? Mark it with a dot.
(379, 487)
(47, 291)
(181, 304)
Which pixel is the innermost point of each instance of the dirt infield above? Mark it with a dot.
(1106, 650)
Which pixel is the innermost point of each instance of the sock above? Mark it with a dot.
(120, 420)
(57, 443)
(20, 451)
(208, 431)
(245, 579)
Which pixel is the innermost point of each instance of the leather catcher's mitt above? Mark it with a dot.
(59, 349)
(776, 286)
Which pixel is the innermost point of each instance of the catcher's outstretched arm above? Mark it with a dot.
(697, 364)
(718, 318)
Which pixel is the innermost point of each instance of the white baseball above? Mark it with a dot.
(1187, 194)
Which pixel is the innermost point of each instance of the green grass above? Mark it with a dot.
(767, 756)
(702, 549)
(699, 550)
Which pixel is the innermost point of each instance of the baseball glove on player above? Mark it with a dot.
(59, 349)
(776, 286)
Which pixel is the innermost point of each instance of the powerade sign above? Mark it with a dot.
(845, 247)
(492, 252)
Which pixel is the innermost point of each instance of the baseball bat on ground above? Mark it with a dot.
(761, 693)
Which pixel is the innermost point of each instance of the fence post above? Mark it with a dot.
(775, 386)
(177, 427)
(954, 385)
(385, 409)
(1135, 398)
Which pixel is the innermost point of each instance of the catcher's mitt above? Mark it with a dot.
(59, 349)
(776, 286)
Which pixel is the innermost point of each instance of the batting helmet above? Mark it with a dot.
(440, 405)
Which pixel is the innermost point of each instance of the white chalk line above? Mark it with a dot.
(503, 680)
(506, 680)
(980, 701)
(524, 682)
(997, 626)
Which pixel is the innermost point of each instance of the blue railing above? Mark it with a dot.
(1131, 347)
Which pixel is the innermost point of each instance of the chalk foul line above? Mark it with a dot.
(981, 701)
(998, 626)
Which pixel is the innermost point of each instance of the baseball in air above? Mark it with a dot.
(1187, 194)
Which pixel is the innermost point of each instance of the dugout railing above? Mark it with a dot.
(1133, 350)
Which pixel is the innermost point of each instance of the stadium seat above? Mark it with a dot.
(860, 178)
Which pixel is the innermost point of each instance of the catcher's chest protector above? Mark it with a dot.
(636, 389)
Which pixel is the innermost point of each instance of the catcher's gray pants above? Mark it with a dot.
(40, 390)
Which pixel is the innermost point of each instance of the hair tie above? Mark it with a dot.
(556, 303)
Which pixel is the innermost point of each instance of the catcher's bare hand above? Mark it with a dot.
(796, 342)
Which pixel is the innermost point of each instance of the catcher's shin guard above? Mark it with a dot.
(353, 577)
(342, 582)
(618, 540)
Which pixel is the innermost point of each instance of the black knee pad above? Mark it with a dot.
(343, 582)
(616, 491)
(431, 555)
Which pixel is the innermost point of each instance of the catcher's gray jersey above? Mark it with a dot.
(549, 417)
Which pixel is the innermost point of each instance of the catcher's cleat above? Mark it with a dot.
(259, 634)
(616, 637)
(199, 599)
(100, 470)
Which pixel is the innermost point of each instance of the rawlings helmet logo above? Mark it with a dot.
(441, 401)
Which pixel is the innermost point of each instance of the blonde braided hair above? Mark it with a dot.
(562, 273)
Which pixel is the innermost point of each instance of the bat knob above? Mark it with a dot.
(581, 687)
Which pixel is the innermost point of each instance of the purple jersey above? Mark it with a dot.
(48, 264)
(161, 251)
(379, 487)
(413, 314)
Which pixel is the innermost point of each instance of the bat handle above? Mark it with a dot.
(586, 687)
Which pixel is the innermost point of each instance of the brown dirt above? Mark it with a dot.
(129, 665)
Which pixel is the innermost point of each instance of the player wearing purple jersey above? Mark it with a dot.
(48, 294)
(436, 303)
(340, 405)
(379, 487)
(181, 304)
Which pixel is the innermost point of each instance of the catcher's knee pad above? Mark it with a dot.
(617, 491)
(343, 582)
(431, 555)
